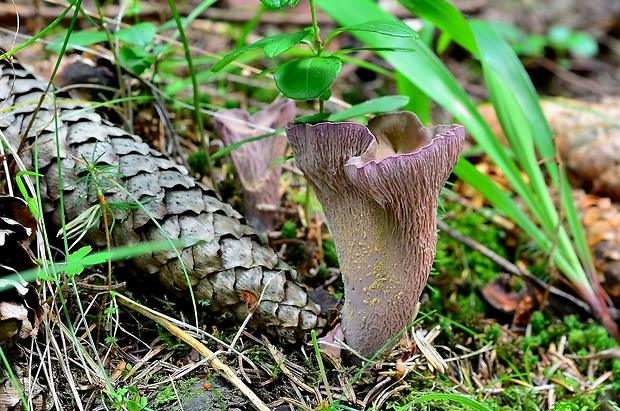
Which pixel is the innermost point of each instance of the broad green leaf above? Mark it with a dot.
(267, 41)
(79, 39)
(446, 17)
(135, 59)
(430, 75)
(313, 118)
(278, 4)
(376, 105)
(326, 96)
(394, 28)
(582, 44)
(282, 44)
(517, 106)
(79, 254)
(307, 78)
(140, 35)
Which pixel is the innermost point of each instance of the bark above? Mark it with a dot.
(228, 265)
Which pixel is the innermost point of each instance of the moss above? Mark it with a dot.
(477, 227)
(538, 322)
(459, 272)
(590, 336)
(198, 162)
(185, 389)
(329, 254)
(289, 230)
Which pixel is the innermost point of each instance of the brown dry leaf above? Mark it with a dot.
(526, 307)
(500, 295)
(601, 220)
(20, 311)
(250, 299)
(587, 136)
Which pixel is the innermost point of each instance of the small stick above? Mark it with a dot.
(474, 245)
(279, 357)
(509, 267)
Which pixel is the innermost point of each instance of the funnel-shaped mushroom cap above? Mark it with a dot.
(253, 161)
(379, 186)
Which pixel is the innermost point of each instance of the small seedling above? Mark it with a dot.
(309, 78)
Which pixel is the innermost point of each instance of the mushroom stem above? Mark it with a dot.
(379, 186)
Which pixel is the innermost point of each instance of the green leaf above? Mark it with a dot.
(376, 105)
(466, 401)
(582, 44)
(558, 35)
(446, 17)
(262, 43)
(356, 49)
(141, 34)
(278, 4)
(313, 118)
(79, 254)
(229, 149)
(135, 59)
(419, 102)
(133, 406)
(307, 78)
(326, 96)
(394, 28)
(78, 39)
(282, 44)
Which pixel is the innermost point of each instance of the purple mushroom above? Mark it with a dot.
(260, 180)
(379, 186)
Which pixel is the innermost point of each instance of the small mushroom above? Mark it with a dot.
(379, 186)
(260, 180)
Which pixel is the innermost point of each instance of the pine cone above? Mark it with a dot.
(225, 268)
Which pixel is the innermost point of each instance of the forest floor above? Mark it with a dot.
(484, 333)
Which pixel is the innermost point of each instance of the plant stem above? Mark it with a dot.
(204, 139)
(319, 50)
(315, 29)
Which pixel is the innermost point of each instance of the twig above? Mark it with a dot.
(474, 245)
(509, 267)
(279, 358)
(221, 368)
(575, 79)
